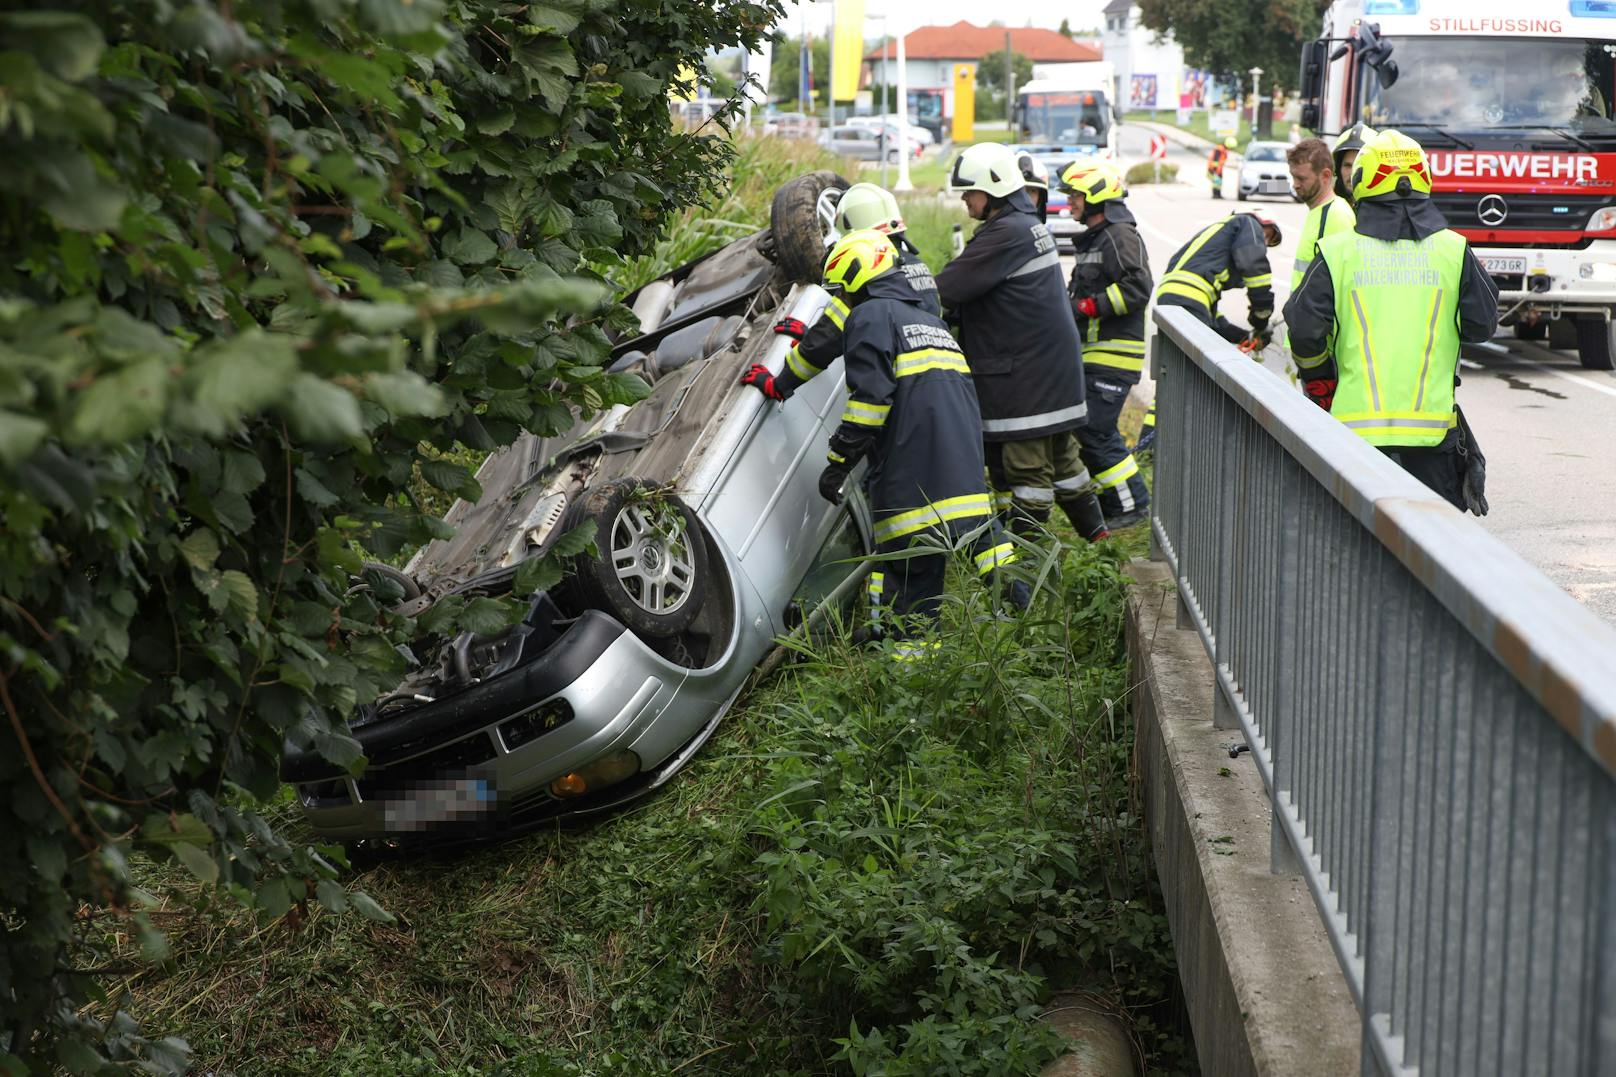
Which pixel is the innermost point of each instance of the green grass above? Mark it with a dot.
(1199, 125)
(874, 867)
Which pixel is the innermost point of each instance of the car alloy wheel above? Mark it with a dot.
(651, 553)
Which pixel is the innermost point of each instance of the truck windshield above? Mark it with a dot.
(1474, 84)
(1065, 118)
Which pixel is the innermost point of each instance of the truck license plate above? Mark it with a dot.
(1499, 264)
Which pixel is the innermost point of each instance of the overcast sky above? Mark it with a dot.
(1083, 14)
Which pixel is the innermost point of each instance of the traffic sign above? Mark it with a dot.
(1158, 146)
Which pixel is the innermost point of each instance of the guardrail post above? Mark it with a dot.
(1224, 716)
(1279, 726)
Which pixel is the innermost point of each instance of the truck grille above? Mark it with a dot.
(1525, 213)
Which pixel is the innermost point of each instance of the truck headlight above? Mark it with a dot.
(1603, 220)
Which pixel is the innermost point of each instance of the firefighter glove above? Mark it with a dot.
(791, 327)
(831, 480)
(1321, 391)
(1088, 307)
(758, 377)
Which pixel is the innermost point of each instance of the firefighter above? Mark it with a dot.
(1216, 162)
(912, 412)
(1345, 152)
(862, 206)
(1036, 177)
(1231, 253)
(1377, 322)
(1313, 180)
(1015, 322)
(1109, 289)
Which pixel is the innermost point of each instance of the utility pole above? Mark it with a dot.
(903, 183)
(886, 89)
(1256, 97)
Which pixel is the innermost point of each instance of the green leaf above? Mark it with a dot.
(320, 411)
(68, 46)
(452, 478)
(331, 895)
(405, 394)
(575, 541)
(488, 616)
(498, 122)
(200, 549)
(20, 435)
(237, 594)
(552, 18)
(121, 406)
(471, 247)
(401, 18)
(538, 573)
(239, 377)
(198, 861)
(79, 196)
(367, 907)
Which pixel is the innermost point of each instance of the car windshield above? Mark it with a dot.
(1064, 118)
(1473, 84)
(1264, 153)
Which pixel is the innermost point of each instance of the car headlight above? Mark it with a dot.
(1603, 220)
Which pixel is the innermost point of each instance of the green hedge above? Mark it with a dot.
(265, 261)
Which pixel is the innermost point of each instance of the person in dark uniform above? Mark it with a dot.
(1231, 253)
(1008, 295)
(862, 206)
(1110, 290)
(1036, 177)
(912, 412)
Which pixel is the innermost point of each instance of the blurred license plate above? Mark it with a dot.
(1276, 186)
(1499, 264)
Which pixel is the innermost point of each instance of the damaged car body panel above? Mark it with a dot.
(711, 541)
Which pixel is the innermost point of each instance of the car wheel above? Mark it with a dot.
(1240, 195)
(649, 569)
(1594, 343)
(799, 236)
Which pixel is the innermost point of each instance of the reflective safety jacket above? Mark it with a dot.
(1231, 253)
(1333, 216)
(1022, 344)
(822, 343)
(1383, 310)
(912, 411)
(1215, 162)
(1112, 268)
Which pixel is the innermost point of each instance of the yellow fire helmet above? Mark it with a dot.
(865, 205)
(857, 259)
(1097, 181)
(1385, 162)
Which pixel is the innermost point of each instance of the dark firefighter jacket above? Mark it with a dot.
(1231, 253)
(1310, 311)
(822, 343)
(912, 411)
(1007, 291)
(1113, 269)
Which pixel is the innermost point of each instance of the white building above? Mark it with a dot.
(1150, 71)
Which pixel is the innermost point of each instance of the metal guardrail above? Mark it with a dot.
(1434, 719)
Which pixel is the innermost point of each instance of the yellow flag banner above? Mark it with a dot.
(848, 49)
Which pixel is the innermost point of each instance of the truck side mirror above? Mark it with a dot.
(1310, 116)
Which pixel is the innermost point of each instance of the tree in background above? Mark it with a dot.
(1229, 37)
(991, 100)
(785, 71)
(1065, 28)
(271, 267)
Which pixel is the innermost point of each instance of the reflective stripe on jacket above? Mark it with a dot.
(1112, 267)
(1021, 342)
(1397, 334)
(1230, 253)
(912, 402)
(1333, 216)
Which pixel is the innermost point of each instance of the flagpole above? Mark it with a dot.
(903, 183)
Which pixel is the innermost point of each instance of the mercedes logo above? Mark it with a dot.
(1492, 210)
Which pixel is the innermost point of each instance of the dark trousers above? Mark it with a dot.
(1116, 473)
(906, 594)
(1437, 467)
(1040, 473)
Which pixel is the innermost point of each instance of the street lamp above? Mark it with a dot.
(1256, 97)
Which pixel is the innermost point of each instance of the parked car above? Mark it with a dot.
(862, 144)
(711, 540)
(890, 124)
(1263, 171)
(791, 125)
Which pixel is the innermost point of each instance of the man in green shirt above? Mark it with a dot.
(1377, 323)
(1313, 180)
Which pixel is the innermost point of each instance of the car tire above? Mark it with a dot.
(1241, 195)
(799, 240)
(1530, 331)
(1594, 344)
(649, 568)
(405, 582)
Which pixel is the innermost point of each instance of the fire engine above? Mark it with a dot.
(1512, 102)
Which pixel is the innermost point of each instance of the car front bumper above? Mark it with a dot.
(1553, 277)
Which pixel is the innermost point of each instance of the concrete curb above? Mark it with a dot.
(1261, 983)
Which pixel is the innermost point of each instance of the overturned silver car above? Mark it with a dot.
(712, 541)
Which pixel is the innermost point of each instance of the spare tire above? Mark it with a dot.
(649, 569)
(799, 234)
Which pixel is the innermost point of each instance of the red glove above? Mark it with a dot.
(758, 377)
(791, 327)
(1321, 392)
(1088, 307)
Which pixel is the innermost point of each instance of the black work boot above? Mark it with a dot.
(1087, 518)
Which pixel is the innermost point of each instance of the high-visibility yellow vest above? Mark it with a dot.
(1396, 334)
(1322, 220)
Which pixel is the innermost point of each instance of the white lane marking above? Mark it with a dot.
(1575, 379)
(1471, 364)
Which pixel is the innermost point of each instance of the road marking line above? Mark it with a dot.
(1471, 364)
(1584, 382)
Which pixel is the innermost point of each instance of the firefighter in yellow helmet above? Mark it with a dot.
(1110, 289)
(1378, 320)
(912, 413)
(1345, 152)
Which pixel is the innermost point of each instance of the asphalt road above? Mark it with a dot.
(1547, 426)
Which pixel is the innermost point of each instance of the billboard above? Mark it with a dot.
(1142, 91)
